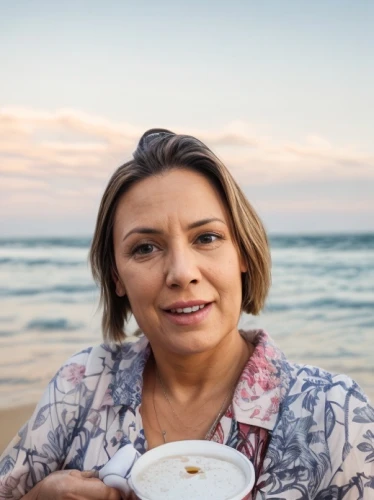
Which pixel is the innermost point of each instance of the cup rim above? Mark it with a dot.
(211, 448)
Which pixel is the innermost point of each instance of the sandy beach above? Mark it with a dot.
(11, 420)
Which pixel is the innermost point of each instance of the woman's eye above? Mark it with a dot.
(207, 238)
(143, 249)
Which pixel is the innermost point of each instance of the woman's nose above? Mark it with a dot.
(181, 268)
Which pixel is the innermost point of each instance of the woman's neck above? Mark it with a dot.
(202, 375)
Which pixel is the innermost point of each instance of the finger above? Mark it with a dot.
(85, 474)
(90, 473)
(74, 473)
(119, 483)
(95, 489)
(129, 496)
(91, 487)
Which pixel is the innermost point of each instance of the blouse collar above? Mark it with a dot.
(257, 396)
(262, 384)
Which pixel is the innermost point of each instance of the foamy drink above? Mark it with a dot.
(186, 477)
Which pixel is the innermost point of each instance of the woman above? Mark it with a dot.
(178, 245)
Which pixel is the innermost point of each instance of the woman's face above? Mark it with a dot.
(177, 262)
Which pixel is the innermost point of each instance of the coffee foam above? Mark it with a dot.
(209, 478)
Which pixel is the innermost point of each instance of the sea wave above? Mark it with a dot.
(342, 242)
(71, 242)
(25, 292)
(40, 262)
(7, 333)
(52, 324)
(19, 381)
(338, 353)
(318, 304)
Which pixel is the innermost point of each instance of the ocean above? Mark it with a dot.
(320, 310)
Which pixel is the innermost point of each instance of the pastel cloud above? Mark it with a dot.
(69, 155)
(69, 138)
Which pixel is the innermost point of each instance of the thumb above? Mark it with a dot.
(90, 473)
(84, 474)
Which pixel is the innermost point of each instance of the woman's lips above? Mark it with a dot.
(192, 318)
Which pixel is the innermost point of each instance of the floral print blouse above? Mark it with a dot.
(309, 434)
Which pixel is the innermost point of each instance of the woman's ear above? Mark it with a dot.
(120, 287)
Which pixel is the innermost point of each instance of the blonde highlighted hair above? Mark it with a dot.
(158, 152)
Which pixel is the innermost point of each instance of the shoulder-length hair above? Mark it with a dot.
(158, 152)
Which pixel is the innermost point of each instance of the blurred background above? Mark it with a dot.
(281, 91)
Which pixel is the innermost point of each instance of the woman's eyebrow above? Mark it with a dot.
(142, 230)
(202, 222)
(151, 230)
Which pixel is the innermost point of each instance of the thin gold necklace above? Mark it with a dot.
(212, 428)
(163, 432)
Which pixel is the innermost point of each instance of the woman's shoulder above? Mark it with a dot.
(95, 370)
(94, 359)
(332, 403)
(303, 384)
(305, 378)
(324, 419)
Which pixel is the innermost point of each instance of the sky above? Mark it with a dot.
(280, 90)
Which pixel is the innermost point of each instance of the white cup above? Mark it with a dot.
(193, 448)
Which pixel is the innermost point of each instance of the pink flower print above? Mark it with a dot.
(273, 408)
(73, 373)
(275, 400)
(249, 377)
(267, 382)
(262, 364)
(244, 395)
(255, 413)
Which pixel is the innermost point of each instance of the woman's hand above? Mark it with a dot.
(74, 485)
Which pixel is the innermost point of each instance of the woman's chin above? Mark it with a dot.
(196, 343)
